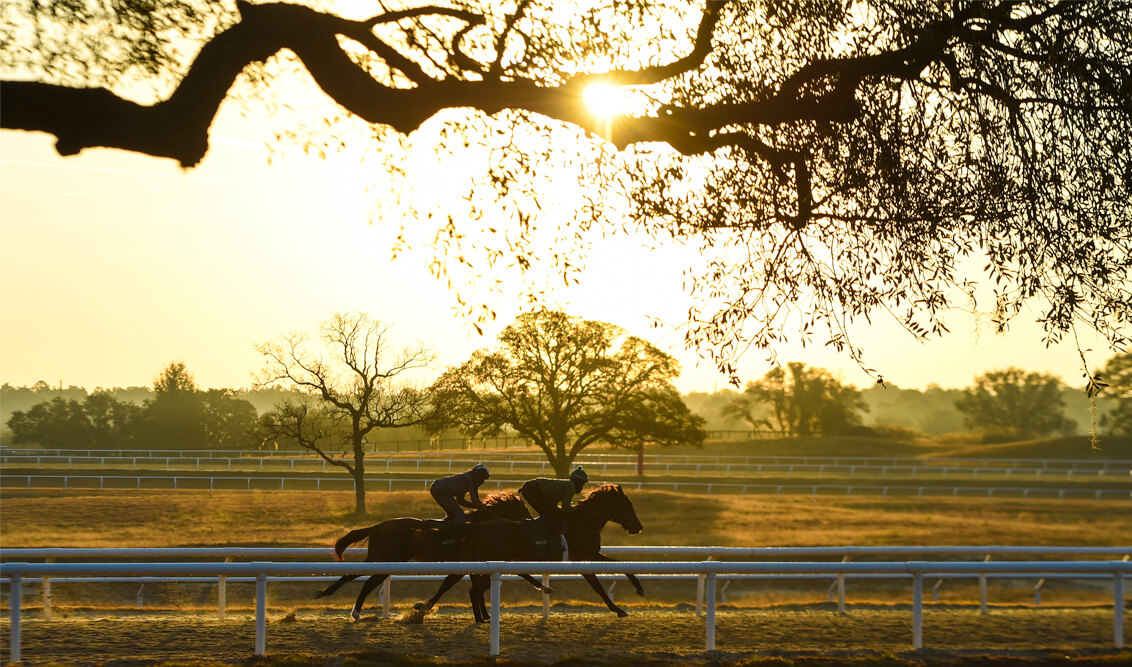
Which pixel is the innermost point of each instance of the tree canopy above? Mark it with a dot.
(1017, 402)
(831, 159)
(1117, 376)
(798, 401)
(175, 415)
(565, 384)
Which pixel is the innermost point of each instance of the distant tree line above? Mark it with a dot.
(792, 400)
(175, 414)
(1001, 405)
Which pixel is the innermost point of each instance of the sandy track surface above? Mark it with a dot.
(95, 638)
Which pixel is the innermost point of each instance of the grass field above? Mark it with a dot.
(781, 623)
(116, 518)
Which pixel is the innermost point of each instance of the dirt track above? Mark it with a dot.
(669, 634)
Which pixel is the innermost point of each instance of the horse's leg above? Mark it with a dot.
(480, 583)
(445, 586)
(632, 578)
(596, 585)
(336, 585)
(537, 584)
(371, 583)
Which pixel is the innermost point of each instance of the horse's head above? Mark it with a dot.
(615, 506)
(503, 505)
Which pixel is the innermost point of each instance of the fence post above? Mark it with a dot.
(495, 579)
(710, 611)
(15, 592)
(260, 613)
(917, 610)
(545, 596)
(222, 593)
(45, 589)
(1118, 609)
(700, 581)
(841, 588)
(983, 589)
(385, 597)
(1038, 592)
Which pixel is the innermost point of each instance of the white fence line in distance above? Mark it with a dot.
(283, 483)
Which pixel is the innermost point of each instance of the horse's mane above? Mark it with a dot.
(601, 490)
(500, 497)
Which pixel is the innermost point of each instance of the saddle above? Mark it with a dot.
(545, 537)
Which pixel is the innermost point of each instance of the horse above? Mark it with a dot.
(508, 540)
(393, 541)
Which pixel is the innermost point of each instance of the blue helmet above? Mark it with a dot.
(481, 469)
(579, 475)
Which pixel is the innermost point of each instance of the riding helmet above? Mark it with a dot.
(482, 469)
(579, 475)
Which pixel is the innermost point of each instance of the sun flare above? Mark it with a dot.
(605, 100)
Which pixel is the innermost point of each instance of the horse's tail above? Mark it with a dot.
(359, 535)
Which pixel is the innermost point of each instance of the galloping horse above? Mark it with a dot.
(508, 540)
(393, 541)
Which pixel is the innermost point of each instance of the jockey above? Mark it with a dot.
(449, 492)
(545, 495)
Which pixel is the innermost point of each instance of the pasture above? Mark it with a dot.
(790, 621)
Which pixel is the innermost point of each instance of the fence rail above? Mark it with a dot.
(447, 465)
(284, 483)
(710, 570)
(8, 455)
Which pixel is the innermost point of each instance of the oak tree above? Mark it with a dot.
(799, 401)
(1016, 401)
(832, 160)
(565, 384)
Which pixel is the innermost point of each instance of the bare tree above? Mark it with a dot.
(833, 160)
(352, 390)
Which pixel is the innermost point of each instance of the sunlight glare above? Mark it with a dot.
(604, 100)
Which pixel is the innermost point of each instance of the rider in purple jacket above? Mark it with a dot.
(449, 492)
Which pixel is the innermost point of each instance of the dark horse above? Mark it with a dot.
(508, 540)
(393, 541)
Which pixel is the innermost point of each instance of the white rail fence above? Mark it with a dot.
(284, 483)
(389, 464)
(10, 456)
(837, 589)
(710, 570)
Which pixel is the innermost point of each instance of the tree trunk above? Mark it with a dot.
(359, 480)
(562, 460)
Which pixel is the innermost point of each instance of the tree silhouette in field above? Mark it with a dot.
(1117, 375)
(797, 401)
(1015, 401)
(347, 395)
(565, 384)
(831, 160)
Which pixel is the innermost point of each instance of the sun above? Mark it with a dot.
(604, 100)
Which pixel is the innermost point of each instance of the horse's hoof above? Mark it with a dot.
(418, 606)
(320, 594)
(641, 592)
(621, 613)
(547, 590)
(356, 615)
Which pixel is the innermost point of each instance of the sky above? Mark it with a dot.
(113, 265)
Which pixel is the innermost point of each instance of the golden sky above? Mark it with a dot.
(113, 264)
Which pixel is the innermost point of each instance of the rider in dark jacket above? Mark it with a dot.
(545, 495)
(449, 492)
